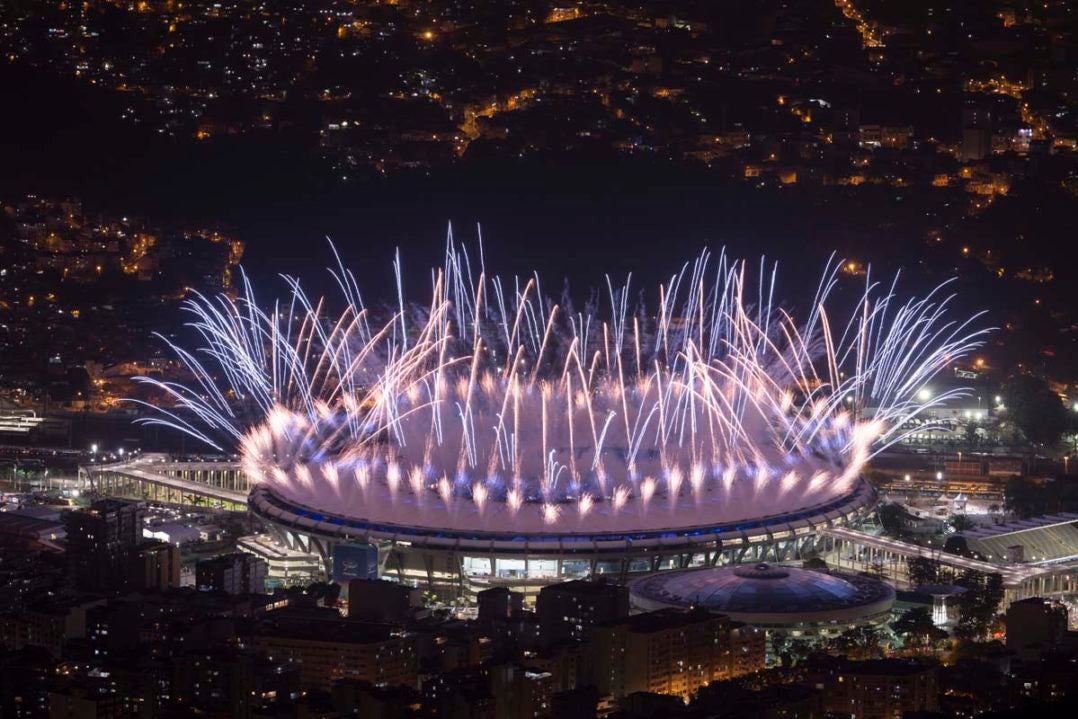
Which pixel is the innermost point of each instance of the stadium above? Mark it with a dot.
(486, 434)
(449, 555)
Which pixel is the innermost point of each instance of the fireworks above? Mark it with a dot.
(489, 405)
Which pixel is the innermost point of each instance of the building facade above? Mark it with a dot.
(671, 651)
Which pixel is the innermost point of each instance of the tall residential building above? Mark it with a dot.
(1034, 625)
(237, 573)
(462, 694)
(884, 689)
(329, 649)
(99, 542)
(521, 692)
(378, 600)
(45, 626)
(670, 651)
(221, 680)
(570, 609)
(498, 604)
(85, 702)
(976, 133)
(352, 697)
(154, 566)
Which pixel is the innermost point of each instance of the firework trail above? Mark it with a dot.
(489, 402)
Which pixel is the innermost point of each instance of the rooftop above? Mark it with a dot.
(584, 586)
(663, 619)
(322, 626)
(1049, 538)
(762, 589)
(887, 667)
(1022, 525)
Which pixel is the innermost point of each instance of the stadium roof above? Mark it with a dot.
(1043, 539)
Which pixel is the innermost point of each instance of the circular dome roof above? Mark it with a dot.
(763, 592)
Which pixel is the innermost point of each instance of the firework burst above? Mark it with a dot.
(490, 404)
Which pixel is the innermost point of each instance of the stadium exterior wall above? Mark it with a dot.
(458, 563)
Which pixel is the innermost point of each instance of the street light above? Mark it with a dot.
(924, 394)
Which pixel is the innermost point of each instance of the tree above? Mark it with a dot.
(915, 620)
(961, 523)
(195, 499)
(1029, 498)
(1036, 410)
(917, 628)
(718, 698)
(923, 570)
(791, 650)
(1024, 497)
(323, 593)
(892, 518)
(978, 605)
(860, 642)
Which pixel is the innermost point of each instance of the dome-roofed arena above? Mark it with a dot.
(485, 433)
(791, 600)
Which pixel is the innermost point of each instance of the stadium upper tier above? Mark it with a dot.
(1050, 538)
(626, 533)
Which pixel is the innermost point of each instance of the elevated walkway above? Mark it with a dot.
(166, 482)
(851, 549)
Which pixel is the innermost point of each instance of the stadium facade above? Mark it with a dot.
(462, 561)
